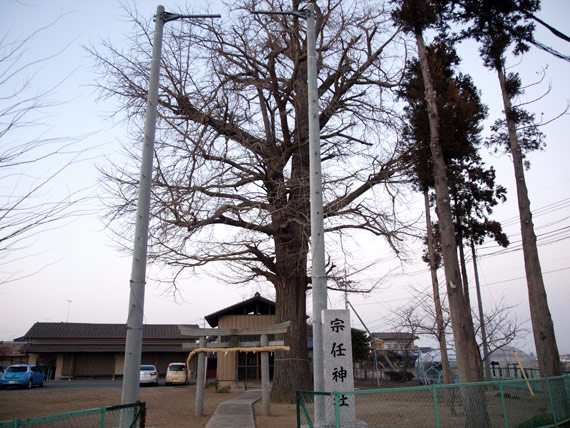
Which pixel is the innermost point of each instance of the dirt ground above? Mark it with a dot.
(167, 407)
(173, 407)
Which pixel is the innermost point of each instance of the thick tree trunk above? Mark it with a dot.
(446, 369)
(292, 369)
(542, 326)
(468, 357)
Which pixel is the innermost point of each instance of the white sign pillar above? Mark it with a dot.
(338, 367)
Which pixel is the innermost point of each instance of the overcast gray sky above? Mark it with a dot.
(84, 279)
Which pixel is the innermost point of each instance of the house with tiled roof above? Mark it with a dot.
(84, 350)
(11, 353)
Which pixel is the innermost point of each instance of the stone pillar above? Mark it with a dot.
(265, 383)
(338, 368)
(201, 378)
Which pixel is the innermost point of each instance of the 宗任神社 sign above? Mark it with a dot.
(338, 367)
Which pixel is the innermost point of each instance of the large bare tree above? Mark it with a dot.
(231, 161)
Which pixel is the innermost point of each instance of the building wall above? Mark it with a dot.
(70, 365)
(227, 366)
(119, 364)
(59, 366)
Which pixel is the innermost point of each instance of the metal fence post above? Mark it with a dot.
(503, 404)
(436, 408)
(550, 400)
(104, 416)
(298, 402)
(142, 410)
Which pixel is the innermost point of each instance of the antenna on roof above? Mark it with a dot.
(68, 306)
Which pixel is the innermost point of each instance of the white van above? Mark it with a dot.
(176, 374)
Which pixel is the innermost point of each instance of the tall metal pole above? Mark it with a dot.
(318, 273)
(319, 279)
(133, 347)
(130, 392)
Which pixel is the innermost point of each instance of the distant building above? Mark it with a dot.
(82, 350)
(11, 353)
(395, 340)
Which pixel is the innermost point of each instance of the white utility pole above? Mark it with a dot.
(133, 348)
(318, 272)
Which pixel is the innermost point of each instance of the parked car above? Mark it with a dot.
(23, 375)
(176, 374)
(149, 374)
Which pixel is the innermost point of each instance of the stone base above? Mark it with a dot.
(344, 424)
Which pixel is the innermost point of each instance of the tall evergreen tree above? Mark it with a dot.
(500, 26)
(415, 16)
(472, 186)
(461, 111)
(474, 195)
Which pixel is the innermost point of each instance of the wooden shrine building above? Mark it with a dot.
(236, 369)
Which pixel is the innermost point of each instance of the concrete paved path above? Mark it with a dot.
(235, 413)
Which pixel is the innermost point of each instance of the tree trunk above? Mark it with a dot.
(486, 362)
(464, 277)
(446, 369)
(542, 326)
(292, 369)
(468, 357)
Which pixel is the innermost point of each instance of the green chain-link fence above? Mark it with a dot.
(123, 416)
(510, 404)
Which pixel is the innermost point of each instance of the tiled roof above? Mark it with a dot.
(59, 348)
(45, 330)
(257, 305)
(11, 349)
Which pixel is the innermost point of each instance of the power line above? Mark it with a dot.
(524, 277)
